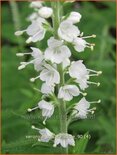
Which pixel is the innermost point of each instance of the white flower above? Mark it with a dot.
(47, 109)
(79, 71)
(74, 17)
(50, 75)
(83, 83)
(46, 135)
(36, 30)
(64, 140)
(81, 108)
(79, 44)
(47, 89)
(45, 12)
(67, 31)
(56, 52)
(39, 57)
(68, 91)
(37, 61)
(35, 4)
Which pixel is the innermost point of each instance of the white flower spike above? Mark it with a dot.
(68, 91)
(64, 140)
(62, 80)
(56, 52)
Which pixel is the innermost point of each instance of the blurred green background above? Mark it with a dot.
(18, 93)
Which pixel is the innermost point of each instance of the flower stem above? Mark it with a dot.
(62, 104)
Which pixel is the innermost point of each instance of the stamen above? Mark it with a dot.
(89, 82)
(33, 79)
(33, 127)
(37, 89)
(95, 101)
(97, 72)
(91, 46)
(21, 67)
(44, 122)
(29, 110)
(29, 40)
(92, 110)
(18, 33)
(92, 36)
(22, 54)
(81, 34)
(19, 54)
(24, 64)
(84, 94)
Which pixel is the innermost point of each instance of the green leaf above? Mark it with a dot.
(81, 144)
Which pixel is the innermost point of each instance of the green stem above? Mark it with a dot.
(16, 20)
(103, 43)
(62, 104)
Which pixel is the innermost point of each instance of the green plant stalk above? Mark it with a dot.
(62, 104)
(16, 20)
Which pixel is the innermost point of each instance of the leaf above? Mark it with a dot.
(81, 144)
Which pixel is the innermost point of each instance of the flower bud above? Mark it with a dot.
(74, 17)
(45, 12)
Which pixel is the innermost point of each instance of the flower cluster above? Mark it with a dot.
(46, 64)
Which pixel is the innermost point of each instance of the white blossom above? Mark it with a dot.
(74, 17)
(79, 44)
(64, 140)
(47, 109)
(68, 91)
(56, 52)
(81, 108)
(45, 12)
(67, 31)
(36, 31)
(47, 89)
(37, 61)
(46, 135)
(81, 74)
(79, 71)
(39, 57)
(50, 75)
